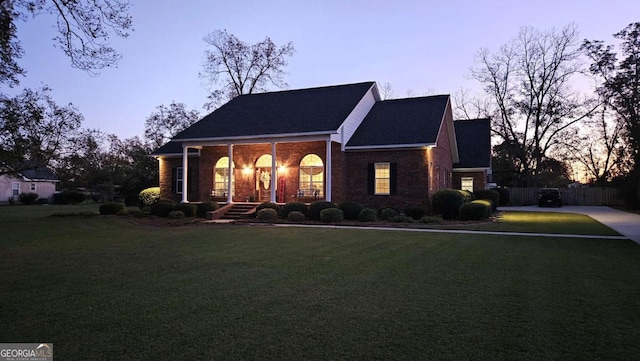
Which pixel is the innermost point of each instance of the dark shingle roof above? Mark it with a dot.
(40, 173)
(408, 121)
(172, 148)
(474, 143)
(286, 112)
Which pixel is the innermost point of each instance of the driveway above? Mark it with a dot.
(627, 224)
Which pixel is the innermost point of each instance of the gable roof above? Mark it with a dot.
(39, 174)
(291, 112)
(397, 122)
(474, 143)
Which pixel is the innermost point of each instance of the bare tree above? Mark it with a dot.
(533, 107)
(237, 68)
(163, 124)
(386, 91)
(84, 29)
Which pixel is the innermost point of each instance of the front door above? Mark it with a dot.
(263, 184)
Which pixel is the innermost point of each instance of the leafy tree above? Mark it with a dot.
(237, 68)
(620, 87)
(34, 130)
(163, 124)
(533, 107)
(84, 28)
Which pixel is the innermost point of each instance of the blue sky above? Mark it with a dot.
(418, 46)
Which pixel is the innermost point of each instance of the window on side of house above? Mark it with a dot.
(311, 176)
(33, 187)
(221, 177)
(179, 180)
(467, 184)
(382, 185)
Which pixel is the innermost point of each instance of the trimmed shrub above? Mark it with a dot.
(265, 205)
(176, 215)
(351, 209)
(475, 210)
(505, 196)
(368, 215)
(293, 207)
(162, 208)
(446, 202)
(296, 216)
(432, 219)
(111, 208)
(331, 215)
(189, 210)
(318, 206)
(205, 207)
(489, 194)
(414, 211)
(387, 213)
(401, 218)
(73, 197)
(267, 214)
(148, 196)
(28, 198)
(468, 196)
(138, 213)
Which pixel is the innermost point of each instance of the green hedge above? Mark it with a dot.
(293, 207)
(267, 214)
(331, 215)
(415, 211)
(446, 202)
(111, 208)
(162, 208)
(205, 207)
(351, 209)
(387, 213)
(318, 206)
(475, 211)
(270, 205)
(489, 194)
(368, 215)
(149, 196)
(189, 210)
(296, 216)
(28, 198)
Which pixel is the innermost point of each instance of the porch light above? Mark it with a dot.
(282, 169)
(246, 171)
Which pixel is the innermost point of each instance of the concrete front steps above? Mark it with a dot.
(233, 211)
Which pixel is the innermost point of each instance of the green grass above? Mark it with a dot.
(103, 288)
(544, 222)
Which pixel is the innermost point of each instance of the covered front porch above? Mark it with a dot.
(256, 171)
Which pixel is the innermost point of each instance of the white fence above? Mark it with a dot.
(570, 196)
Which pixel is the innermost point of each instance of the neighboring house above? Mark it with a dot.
(335, 143)
(473, 171)
(41, 181)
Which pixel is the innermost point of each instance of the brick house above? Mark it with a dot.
(334, 143)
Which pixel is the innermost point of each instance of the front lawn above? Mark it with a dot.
(103, 288)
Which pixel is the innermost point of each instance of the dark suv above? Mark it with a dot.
(550, 197)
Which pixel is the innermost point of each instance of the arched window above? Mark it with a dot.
(264, 161)
(221, 177)
(311, 176)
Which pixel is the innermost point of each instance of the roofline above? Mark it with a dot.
(453, 142)
(391, 146)
(252, 138)
(475, 169)
(39, 180)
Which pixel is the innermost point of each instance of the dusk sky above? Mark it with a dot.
(417, 46)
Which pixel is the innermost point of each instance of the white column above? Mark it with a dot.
(274, 172)
(327, 186)
(230, 173)
(185, 172)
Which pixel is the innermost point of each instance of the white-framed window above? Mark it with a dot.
(179, 180)
(221, 177)
(311, 176)
(382, 182)
(15, 189)
(466, 184)
(33, 187)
